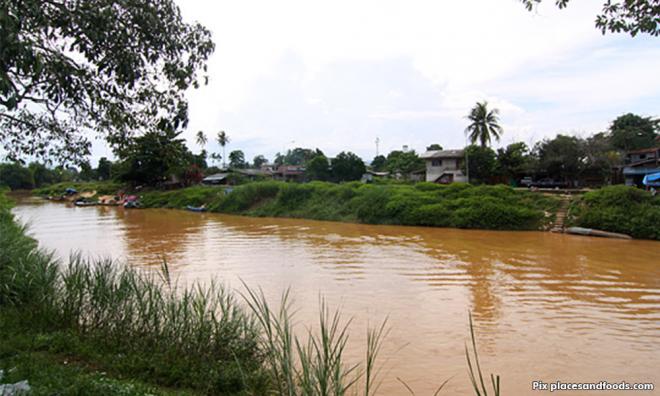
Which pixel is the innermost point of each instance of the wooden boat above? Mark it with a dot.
(196, 208)
(84, 203)
(132, 205)
(596, 233)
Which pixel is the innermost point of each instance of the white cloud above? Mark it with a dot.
(336, 75)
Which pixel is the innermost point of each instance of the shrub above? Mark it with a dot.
(620, 209)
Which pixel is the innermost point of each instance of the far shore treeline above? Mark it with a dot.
(157, 157)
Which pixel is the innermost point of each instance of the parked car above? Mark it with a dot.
(549, 183)
(526, 181)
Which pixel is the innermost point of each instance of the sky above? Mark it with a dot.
(338, 74)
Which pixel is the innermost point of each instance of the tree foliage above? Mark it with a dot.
(259, 160)
(15, 176)
(378, 163)
(237, 159)
(482, 163)
(628, 16)
(113, 67)
(561, 158)
(434, 147)
(347, 166)
(484, 124)
(513, 161)
(297, 156)
(403, 162)
(154, 157)
(633, 132)
(318, 168)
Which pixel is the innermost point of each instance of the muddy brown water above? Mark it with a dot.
(546, 306)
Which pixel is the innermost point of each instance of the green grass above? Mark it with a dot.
(622, 209)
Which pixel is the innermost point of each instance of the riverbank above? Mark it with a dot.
(620, 209)
(423, 204)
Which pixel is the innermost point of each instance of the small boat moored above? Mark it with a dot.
(596, 233)
(196, 208)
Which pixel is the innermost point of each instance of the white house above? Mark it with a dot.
(444, 166)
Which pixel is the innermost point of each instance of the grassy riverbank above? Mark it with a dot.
(620, 209)
(425, 204)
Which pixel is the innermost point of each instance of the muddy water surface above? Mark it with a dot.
(546, 307)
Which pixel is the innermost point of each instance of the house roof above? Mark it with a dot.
(443, 154)
(215, 176)
(642, 151)
(253, 172)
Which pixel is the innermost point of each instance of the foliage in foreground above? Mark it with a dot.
(622, 209)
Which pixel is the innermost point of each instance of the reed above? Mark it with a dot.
(313, 364)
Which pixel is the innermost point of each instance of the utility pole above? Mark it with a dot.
(467, 162)
(377, 141)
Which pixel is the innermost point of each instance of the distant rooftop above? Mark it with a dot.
(443, 154)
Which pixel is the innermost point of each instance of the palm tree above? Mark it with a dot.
(484, 124)
(201, 139)
(223, 139)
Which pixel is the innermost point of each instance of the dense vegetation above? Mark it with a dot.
(621, 209)
(457, 205)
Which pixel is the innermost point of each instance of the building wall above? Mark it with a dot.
(448, 166)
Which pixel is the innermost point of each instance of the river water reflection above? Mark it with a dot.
(546, 306)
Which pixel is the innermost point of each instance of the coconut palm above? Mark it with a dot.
(484, 124)
(201, 139)
(223, 139)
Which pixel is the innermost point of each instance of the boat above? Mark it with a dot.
(109, 200)
(56, 198)
(84, 203)
(596, 233)
(196, 208)
(132, 205)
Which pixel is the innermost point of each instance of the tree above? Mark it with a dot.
(434, 147)
(201, 139)
(484, 124)
(561, 158)
(223, 140)
(111, 67)
(318, 168)
(104, 169)
(86, 173)
(378, 163)
(297, 156)
(347, 166)
(632, 132)
(258, 161)
(154, 157)
(15, 176)
(403, 162)
(629, 16)
(42, 175)
(513, 161)
(237, 159)
(482, 163)
(600, 157)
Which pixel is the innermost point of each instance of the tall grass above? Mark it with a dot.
(314, 363)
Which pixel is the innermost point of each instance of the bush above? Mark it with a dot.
(622, 209)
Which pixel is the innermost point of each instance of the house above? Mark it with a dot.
(294, 173)
(254, 174)
(640, 163)
(444, 166)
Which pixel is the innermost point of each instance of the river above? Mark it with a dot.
(546, 306)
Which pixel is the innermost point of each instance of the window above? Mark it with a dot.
(436, 162)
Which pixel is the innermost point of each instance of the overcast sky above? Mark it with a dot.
(338, 74)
